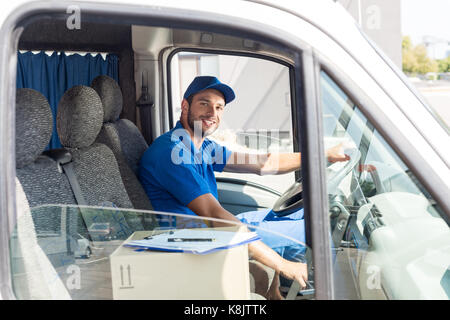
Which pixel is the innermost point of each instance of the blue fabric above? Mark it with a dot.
(54, 75)
(174, 172)
(275, 232)
(292, 226)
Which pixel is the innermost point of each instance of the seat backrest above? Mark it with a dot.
(124, 139)
(38, 182)
(78, 122)
(39, 176)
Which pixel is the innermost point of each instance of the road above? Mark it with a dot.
(437, 94)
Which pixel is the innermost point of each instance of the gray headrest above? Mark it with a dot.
(34, 125)
(80, 117)
(109, 91)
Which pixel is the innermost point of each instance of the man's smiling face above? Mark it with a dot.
(206, 110)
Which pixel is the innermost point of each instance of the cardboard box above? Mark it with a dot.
(171, 276)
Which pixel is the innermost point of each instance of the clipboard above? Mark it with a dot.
(194, 241)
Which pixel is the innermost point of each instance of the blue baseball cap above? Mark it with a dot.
(208, 82)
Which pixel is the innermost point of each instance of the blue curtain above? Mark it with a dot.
(53, 75)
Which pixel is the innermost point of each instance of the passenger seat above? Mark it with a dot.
(38, 174)
(123, 138)
(38, 182)
(78, 122)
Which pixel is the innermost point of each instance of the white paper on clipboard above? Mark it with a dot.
(221, 240)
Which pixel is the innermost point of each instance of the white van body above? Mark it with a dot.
(326, 34)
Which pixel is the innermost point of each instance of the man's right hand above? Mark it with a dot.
(297, 271)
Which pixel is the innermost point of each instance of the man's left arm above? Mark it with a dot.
(275, 163)
(263, 164)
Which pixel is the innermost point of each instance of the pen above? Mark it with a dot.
(151, 237)
(190, 239)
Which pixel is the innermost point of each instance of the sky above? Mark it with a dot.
(425, 17)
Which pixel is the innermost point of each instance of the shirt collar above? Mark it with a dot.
(178, 125)
(193, 148)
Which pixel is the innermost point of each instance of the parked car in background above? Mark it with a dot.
(100, 231)
(444, 76)
(83, 249)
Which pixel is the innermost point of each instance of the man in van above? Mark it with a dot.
(177, 172)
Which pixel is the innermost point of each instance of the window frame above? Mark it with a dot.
(134, 14)
(218, 52)
(314, 175)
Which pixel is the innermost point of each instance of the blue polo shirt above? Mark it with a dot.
(174, 172)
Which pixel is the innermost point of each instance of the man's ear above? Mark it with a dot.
(184, 105)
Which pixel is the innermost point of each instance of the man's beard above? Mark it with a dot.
(192, 122)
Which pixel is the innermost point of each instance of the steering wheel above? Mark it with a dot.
(292, 199)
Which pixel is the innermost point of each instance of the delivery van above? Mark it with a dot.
(111, 77)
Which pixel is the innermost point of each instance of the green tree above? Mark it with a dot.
(415, 58)
(444, 65)
(406, 43)
(409, 60)
(425, 64)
